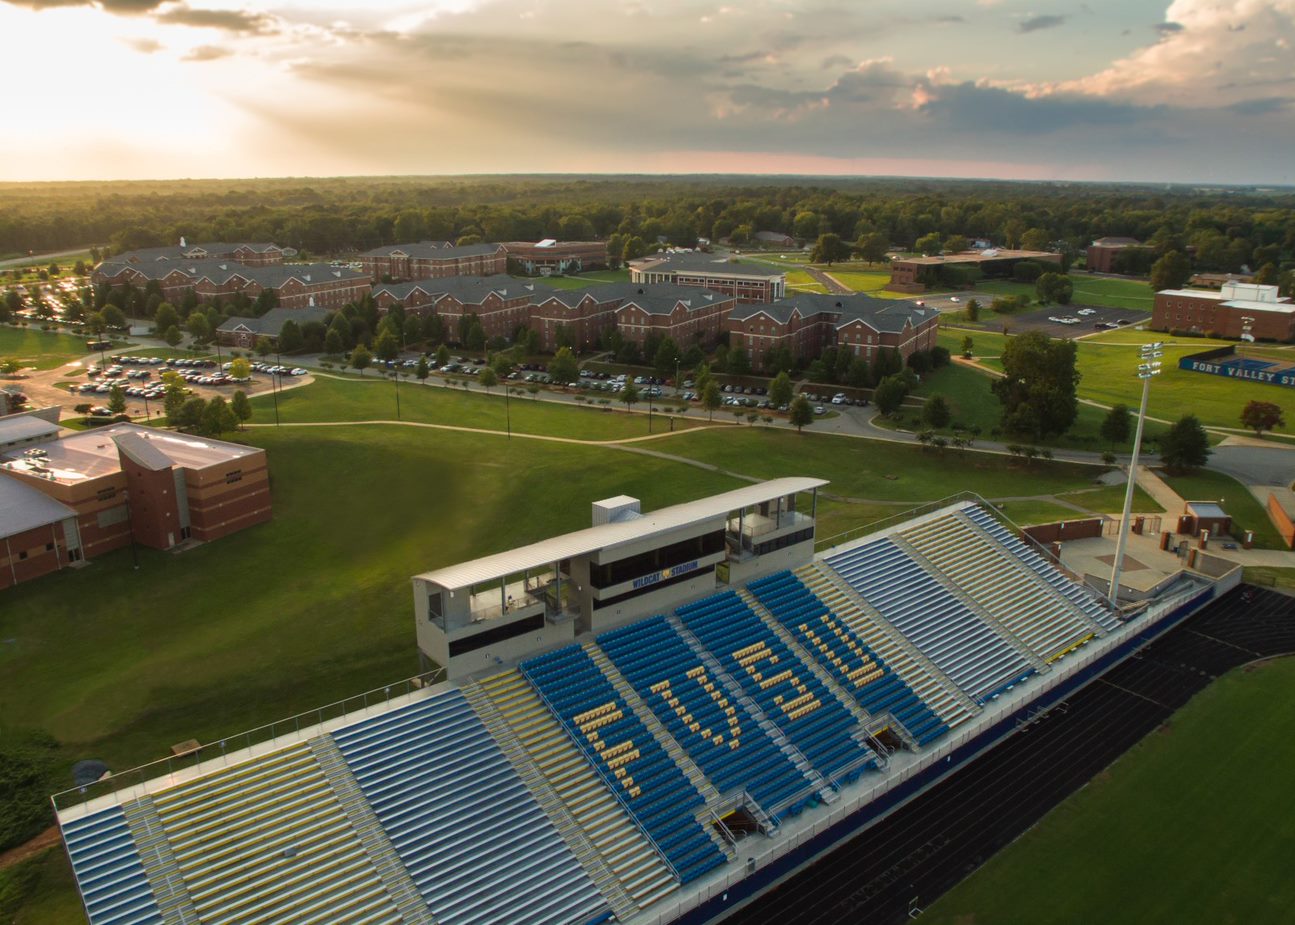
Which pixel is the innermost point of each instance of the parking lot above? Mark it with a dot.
(1071, 321)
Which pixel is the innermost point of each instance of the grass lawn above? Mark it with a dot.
(40, 349)
(1247, 513)
(1026, 513)
(373, 399)
(309, 608)
(40, 891)
(876, 470)
(1213, 845)
(1270, 577)
(799, 279)
(1133, 295)
(1109, 499)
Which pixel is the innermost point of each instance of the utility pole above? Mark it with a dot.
(1148, 366)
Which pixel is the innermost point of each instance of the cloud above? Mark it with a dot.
(1036, 23)
(1168, 28)
(228, 20)
(144, 46)
(207, 53)
(836, 61)
(112, 6)
(949, 20)
(1263, 106)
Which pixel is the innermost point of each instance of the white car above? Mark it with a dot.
(1087, 311)
(954, 298)
(299, 371)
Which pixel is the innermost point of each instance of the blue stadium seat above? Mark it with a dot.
(109, 871)
(644, 778)
(720, 736)
(851, 662)
(787, 691)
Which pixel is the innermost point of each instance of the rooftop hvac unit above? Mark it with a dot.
(615, 510)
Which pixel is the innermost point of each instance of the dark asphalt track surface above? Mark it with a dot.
(924, 849)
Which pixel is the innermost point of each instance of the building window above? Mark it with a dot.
(49, 547)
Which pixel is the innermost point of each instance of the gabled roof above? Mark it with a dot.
(470, 290)
(271, 323)
(882, 315)
(221, 271)
(433, 250)
(710, 264)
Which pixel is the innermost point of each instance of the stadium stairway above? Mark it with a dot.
(915, 669)
(268, 838)
(610, 847)
(1007, 591)
(159, 861)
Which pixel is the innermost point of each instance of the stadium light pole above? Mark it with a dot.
(1247, 335)
(1148, 367)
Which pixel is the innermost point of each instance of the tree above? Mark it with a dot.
(422, 371)
(801, 413)
(488, 378)
(1115, 426)
(113, 317)
(936, 412)
(189, 416)
(829, 249)
(635, 247)
(930, 245)
(218, 417)
(1036, 239)
(239, 368)
(780, 390)
(198, 328)
(241, 407)
(291, 338)
(956, 244)
(1185, 445)
(333, 343)
(172, 336)
(1262, 415)
(564, 369)
(629, 394)
(710, 398)
(973, 310)
(667, 358)
(117, 400)
(872, 246)
(968, 347)
(1038, 386)
(1054, 287)
(738, 363)
(890, 394)
(263, 347)
(165, 317)
(386, 347)
(442, 355)
(476, 339)
(361, 358)
(1170, 271)
(173, 397)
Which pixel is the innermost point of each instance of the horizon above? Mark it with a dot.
(1194, 92)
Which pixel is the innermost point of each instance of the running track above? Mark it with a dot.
(924, 849)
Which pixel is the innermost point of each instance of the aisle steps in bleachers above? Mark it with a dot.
(827, 643)
(973, 654)
(973, 603)
(154, 849)
(788, 692)
(402, 889)
(1096, 610)
(703, 716)
(930, 684)
(109, 870)
(471, 835)
(268, 836)
(613, 847)
(1012, 594)
(643, 777)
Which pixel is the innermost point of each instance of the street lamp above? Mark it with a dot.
(1148, 367)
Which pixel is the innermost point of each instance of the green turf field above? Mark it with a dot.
(40, 349)
(374, 399)
(1189, 826)
(803, 282)
(1247, 513)
(1133, 295)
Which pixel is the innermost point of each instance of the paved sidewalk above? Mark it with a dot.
(1159, 489)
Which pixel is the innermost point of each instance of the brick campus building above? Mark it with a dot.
(550, 257)
(917, 274)
(1101, 254)
(1226, 312)
(433, 260)
(744, 281)
(100, 489)
(297, 285)
(809, 323)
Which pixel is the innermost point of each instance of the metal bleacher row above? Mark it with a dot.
(963, 646)
(852, 664)
(108, 869)
(470, 834)
(1090, 604)
(637, 770)
(719, 735)
(786, 690)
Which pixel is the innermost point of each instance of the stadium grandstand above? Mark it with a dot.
(650, 720)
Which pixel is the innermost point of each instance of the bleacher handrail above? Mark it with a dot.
(875, 526)
(136, 776)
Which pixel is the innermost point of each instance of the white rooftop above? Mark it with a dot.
(609, 536)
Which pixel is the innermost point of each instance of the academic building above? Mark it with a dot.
(247, 253)
(1235, 309)
(1102, 253)
(918, 274)
(809, 323)
(111, 486)
(552, 258)
(746, 282)
(432, 260)
(297, 285)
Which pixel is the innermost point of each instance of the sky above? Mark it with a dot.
(1195, 91)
